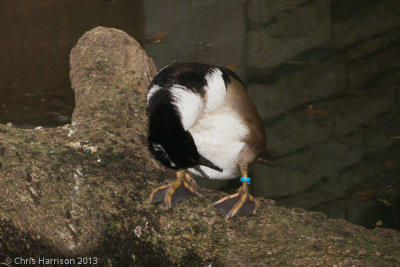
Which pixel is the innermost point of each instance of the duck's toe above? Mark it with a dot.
(239, 203)
(172, 193)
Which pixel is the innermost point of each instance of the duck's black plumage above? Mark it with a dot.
(168, 141)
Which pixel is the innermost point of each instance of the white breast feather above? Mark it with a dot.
(189, 104)
(218, 138)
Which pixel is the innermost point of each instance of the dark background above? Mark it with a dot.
(325, 76)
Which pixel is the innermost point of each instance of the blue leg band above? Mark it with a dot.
(245, 179)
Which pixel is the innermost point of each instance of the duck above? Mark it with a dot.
(202, 122)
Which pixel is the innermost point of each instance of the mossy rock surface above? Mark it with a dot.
(81, 189)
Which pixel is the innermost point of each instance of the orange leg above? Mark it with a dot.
(239, 203)
(174, 192)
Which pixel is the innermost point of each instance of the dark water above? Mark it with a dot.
(37, 36)
(36, 39)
